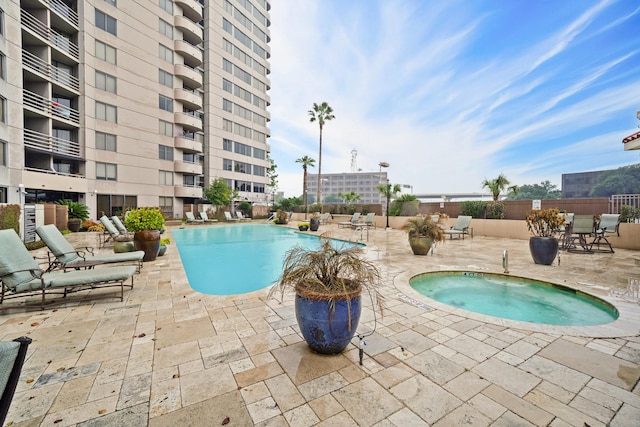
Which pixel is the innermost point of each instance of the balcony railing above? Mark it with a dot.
(40, 141)
(63, 10)
(58, 40)
(37, 65)
(48, 106)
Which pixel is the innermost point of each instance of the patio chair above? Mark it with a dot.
(581, 228)
(205, 217)
(325, 218)
(111, 233)
(565, 230)
(241, 217)
(354, 221)
(192, 219)
(369, 220)
(12, 355)
(63, 255)
(21, 275)
(228, 217)
(460, 228)
(609, 224)
(119, 225)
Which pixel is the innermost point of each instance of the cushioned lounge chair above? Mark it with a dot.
(325, 218)
(192, 218)
(460, 228)
(353, 222)
(205, 217)
(609, 224)
(119, 225)
(369, 220)
(111, 233)
(242, 217)
(228, 217)
(63, 255)
(12, 355)
(21, 275)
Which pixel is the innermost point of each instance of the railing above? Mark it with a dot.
(48, 106)
(54, 172)
(63, 10)
(617, 200)
(33, 63)
(58, 40)
(48, 143)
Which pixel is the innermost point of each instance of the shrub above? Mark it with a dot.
(10, 217)
(473, 208)
(32, 246)
(495, 210)
(628, 213)
(76, 210)
(364, 209)
(544, 222)
(141, 219)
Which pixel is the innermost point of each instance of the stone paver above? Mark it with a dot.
(169, 356)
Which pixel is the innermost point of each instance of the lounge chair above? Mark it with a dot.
(22, 277)
(192, 218)
(581, 228)
(228, 217)
(242, 217)
(325, 218)
(12, 355)
(609, 224)
(460, 228)
(369, 220)
(65, 256)
(119, 225)
(353, 222)
(205, 217)
(111, 233)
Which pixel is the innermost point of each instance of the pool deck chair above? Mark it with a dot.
(111, 233)
(21, 276)
(228, 217)
(119, 225)
(12, 355)
(242, 217)
(63, 255)
(609, 224)
(192, 219)
(205, 217)
(460, 228)
(351, 223)
(369, 220)
(325, 218)
(582, 227)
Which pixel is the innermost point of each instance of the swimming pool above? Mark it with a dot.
(514, 298)
(239, 258)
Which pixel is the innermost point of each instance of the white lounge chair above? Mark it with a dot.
(192, 218)
(354, 221)
(228, 217)
(205, 217)
(242, 217)
(460, 228)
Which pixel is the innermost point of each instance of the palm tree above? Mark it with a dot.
(320, 113)
(497, 186)
(389, 190)
(306, 162)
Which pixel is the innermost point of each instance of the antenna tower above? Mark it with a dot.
(354, 164)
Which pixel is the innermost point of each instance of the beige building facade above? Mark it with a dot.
(125, 103)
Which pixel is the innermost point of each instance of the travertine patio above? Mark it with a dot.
(170, 356)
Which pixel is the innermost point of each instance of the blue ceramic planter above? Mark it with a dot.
(324, 334)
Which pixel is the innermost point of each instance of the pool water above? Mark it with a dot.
(514, 298)
(239, 258)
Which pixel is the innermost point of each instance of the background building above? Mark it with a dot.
(576, 185)
(133, 103)
(363, 183)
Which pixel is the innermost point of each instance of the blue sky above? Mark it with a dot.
(452, 92)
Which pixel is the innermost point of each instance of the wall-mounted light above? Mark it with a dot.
(95, 192)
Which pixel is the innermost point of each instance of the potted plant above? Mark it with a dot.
(328, 282)
(303, 226)
(146, 224)
(315, 221)
(78, 212)
(423, 234)
(543, 225)
(281, 217)
(163, 245)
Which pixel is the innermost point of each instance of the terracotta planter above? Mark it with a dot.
(420, 245)
(149, 242)
(74, 224)
(543, 249)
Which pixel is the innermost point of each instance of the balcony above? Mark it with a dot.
(191, 100)
(192, 9)
(191, 54)
(188, 122)
(187, 145)
(57, 40)
(187, 168)
(62, 11)
(191, 31)
(46, 106)
(43, 69)
(188, 192)
(190, 76)
(50, 180)
(48, 144)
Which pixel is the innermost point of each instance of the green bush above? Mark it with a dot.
(76, 210)
(364, 209)
(32, 246)
(495, 210)
(141, 219)
(473, 208)
(628, 213)
(10, 217)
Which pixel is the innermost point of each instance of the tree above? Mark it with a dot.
(320, 113)
(498, 185)
(219, 193)
(306, 162)
(389, 191)
(544, 190)
(273, 178)
(624, 180)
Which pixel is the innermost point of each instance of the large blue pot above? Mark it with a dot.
(324, 331)
(543, 249)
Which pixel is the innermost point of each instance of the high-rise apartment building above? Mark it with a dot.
(118, 103)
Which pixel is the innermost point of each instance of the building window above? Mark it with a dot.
(166, 79)
(227, 106)
(227, 164)
(242, 149)
(166, 128)
(3, 66)
(1, 21)
(259, 154)
(227, 66)
(243, 185)
(106, 82)
(165, 53)
(106, 112)
(165, 28)
(259, 170)
(3, 110)
(107, 171)
(111, 2)
(166, 5)
(227, 145)
(242, 167)
(227, 125)
(3, 153)
(105, 52)
(105, 141)
(166, 205)
(166, 178)
(258, 187)
(106, 23)
(227, 86)
(165, 152)
(165, 103)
